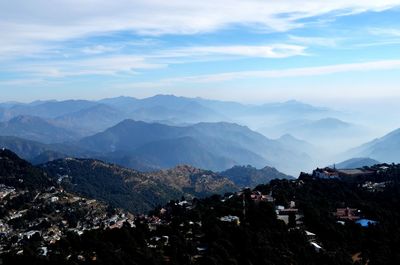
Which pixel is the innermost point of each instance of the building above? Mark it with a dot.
(259, 197)
(346, 173)
(230, 219)
(349, 214)
(325, 173)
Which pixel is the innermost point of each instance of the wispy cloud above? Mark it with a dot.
(315, 41)
(106, 65)
(99, 49)
(101, 62)
(23, 22)
(284, 73)
(387, 32)
(259, 51)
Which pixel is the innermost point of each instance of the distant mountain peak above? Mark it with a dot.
(287, 136)
(357, 162)
(293, 101)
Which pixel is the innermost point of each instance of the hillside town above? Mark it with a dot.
(40, 220)
(48, 215)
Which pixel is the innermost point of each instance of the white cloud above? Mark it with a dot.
(260, 51)
(386, 32)
(101, 63)
(315, 41)
(99, 49)
(28, 22)
(284, 73)
(21, 82)
(106, 65)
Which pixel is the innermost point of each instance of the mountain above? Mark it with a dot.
(170, 109)
(24, 148)
(91, 120)
(357, 162)
(292, 143)
(290, 107)
(214, 146)
(385, 149)
(128, 135)
(193, 181)
(330, 135)
(308, 129)
(19, 173)
(37, 152)
(275, 109)
(36, 129)
(248, 176)
(184, 150)
(130, 189)
(2, 114)
(121, 103)
(168, 146)
(48, 109)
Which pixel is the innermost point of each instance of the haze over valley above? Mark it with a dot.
(164, 131)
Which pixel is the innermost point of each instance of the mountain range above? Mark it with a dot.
(215, 146)
(164, 131)
(385, 149)
(36, 129)
(318, 129)
(89, 117)
(127, 188)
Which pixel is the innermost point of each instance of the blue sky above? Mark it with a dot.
(249, 51)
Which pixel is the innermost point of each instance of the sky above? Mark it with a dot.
(328, 52)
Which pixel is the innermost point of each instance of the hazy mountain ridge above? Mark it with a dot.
(36, 129)
(37, 152)
(214, 140)
(357, 162)
(168, 108)
(385, 149)
(89, 119)
(47, 109)
(309, 129)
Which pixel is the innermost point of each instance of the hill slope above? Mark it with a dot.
(17, 172)
(130, 189)
(248, 176)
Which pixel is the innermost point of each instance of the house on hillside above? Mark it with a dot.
(352, 173)
(257, 196)
(343, 174)
(325, 173)
(349, 214)
(290, 216)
